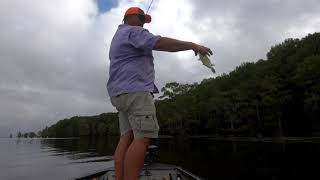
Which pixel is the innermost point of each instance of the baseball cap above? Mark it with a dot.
(138, 11)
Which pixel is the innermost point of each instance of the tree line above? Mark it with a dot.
(279, 96)
(100, 125)
(25, 135)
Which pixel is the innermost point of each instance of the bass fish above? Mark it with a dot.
(206, 62)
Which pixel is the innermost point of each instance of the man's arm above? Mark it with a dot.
(174, 45)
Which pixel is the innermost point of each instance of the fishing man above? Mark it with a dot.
(131, 87)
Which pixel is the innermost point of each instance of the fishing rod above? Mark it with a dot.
(149, 6)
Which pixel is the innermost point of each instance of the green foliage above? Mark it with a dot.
(173, 89)
(273, 97)
(101, 125)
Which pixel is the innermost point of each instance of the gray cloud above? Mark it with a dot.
(53, 64)
(254, 26)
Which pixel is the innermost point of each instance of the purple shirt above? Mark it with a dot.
(131, 61)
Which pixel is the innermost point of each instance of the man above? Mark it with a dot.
(131, 87)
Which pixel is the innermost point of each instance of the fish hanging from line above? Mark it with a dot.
(206, 62)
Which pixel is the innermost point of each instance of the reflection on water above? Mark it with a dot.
(244, 160)
(211, 159)
(53, 158)
(84, 148)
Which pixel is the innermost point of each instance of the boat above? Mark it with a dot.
(151, 171)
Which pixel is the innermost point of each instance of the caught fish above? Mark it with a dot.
(206, 62)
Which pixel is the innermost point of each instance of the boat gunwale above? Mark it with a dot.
(153, 166)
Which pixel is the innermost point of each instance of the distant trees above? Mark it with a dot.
(26, 135)
(32, 135)
(19, 135)
(100, 125)
(279, 96)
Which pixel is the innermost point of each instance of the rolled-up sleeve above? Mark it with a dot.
(142, 39)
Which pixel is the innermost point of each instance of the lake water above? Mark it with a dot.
(54, 159)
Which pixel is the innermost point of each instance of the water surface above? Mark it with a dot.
(54, 159)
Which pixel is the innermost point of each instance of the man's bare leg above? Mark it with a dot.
(135, 158)
(120, 153)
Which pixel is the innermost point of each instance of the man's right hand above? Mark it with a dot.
(198, 49)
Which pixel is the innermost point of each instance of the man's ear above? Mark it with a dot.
(125, 18)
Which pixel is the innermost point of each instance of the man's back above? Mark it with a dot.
(131, 61)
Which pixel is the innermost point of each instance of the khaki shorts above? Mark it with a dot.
(137, 112)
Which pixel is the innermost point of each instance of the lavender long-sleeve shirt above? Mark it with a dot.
(131, 61)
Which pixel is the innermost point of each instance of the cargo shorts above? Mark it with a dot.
(137, 112)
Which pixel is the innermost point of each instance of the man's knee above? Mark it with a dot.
(127, 137)
(142, 141)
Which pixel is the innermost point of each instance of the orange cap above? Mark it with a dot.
(136, 10)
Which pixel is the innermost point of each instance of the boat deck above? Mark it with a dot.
(151, 172)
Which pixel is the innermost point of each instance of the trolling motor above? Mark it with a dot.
(150, 158)
(151, 155)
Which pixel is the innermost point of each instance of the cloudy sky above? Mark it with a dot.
(54, 54)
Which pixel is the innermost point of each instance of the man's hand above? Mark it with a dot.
(201, 50)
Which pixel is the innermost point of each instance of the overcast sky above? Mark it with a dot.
(54, 54)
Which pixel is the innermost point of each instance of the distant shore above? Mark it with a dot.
(209, 137)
